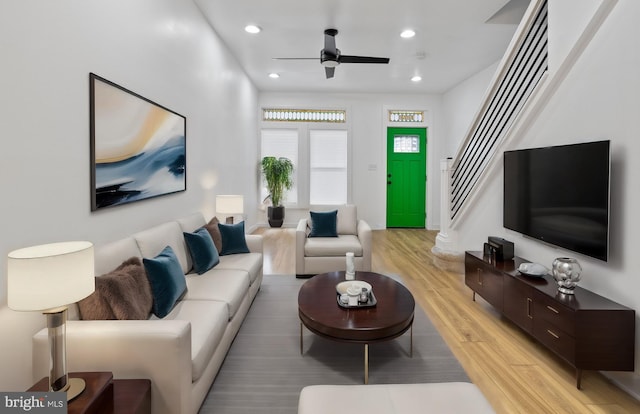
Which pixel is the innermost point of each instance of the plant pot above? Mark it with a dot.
(275, 215)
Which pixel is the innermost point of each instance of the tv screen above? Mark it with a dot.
(560, 195)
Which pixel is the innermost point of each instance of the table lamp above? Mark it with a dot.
(47, 278)
(230, 205)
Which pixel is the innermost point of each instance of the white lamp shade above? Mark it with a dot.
(230, 204)
(50, 275)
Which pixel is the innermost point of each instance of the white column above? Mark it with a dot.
(446, 252)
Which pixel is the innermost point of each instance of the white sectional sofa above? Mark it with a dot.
(182, 352)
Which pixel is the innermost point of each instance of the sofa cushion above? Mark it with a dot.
(203, 252)
(228, 286)
(329, 246)
(192, 222)
(209, 321)
(214, 231)
(167, 281)
(123, 293)
(152, 241)
(248, 262)
(112, 255)
(324, 224)
(233, 241)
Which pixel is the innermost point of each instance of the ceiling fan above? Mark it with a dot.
(330, 56)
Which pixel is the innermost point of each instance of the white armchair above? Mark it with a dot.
(316, 255)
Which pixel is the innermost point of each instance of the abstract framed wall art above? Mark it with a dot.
(138, 148)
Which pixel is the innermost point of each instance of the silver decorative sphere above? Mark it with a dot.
(566, 271)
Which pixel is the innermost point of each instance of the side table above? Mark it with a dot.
(104, 395)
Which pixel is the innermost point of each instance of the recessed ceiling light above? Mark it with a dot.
(408, 33)
(274, 75)
(252, 28)
(416, 78)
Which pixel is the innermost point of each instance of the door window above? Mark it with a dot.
(406, 144)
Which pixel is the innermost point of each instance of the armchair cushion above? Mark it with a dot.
(323, 247)
(324, 224)
(346, 219)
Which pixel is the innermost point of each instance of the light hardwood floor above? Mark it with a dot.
(516, 374)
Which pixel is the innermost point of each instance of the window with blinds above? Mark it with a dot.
(281, 143)
(328, 162)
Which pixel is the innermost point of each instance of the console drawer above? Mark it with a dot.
(553, 312)
(555, 339)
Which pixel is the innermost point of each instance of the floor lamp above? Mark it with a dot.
(230, 205)
(47, 278)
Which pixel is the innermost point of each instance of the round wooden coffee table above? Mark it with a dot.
(391, 317)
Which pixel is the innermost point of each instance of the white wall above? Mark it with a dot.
(597, 100)
(162, 49)
(460, 105)
(367, 127)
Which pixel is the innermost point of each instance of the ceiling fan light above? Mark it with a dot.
(416, 78)
(252, 28)
(407, 33)
(330, 63)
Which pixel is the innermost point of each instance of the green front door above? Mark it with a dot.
(406, 177)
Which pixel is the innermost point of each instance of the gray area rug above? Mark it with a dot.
(264, 371)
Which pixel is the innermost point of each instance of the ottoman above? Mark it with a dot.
(441, 398)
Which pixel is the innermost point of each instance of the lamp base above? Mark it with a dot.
(76, 386)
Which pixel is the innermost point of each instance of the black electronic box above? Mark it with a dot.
(499, 248)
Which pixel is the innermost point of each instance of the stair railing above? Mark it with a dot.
(518, 74)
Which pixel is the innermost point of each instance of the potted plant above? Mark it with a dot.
(277, 173)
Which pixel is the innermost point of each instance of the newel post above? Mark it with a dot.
(446, 254)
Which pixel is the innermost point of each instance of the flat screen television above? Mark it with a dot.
(560, 195)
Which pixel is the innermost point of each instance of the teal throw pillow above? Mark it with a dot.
(324, 224)
(233, 240)
(167, 281)
(202, 250)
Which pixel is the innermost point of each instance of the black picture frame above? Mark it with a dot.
(138, 147)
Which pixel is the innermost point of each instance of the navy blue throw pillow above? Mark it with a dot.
(233, 240)
(167, 281)
(202, 250)
(324, 224)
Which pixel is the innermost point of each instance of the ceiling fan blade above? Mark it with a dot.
(361, 59)
(330, 41)
(329, 72)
